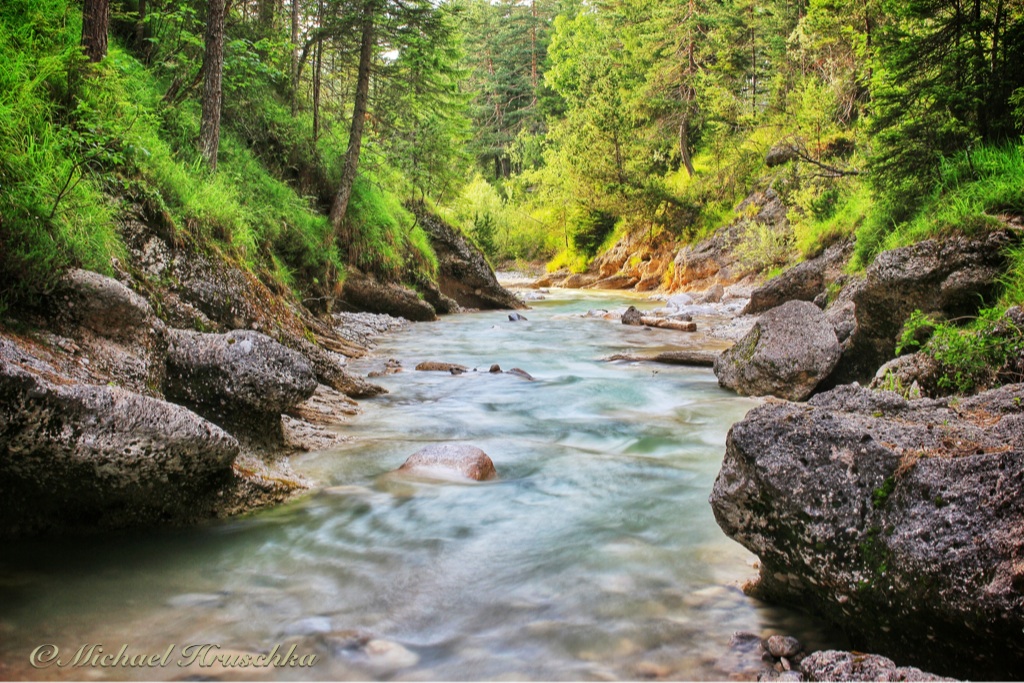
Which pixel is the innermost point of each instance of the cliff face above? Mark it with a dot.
(463, 272)
(898, 520)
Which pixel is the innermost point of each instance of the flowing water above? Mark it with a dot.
(594, 556)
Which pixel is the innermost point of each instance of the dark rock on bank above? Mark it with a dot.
(836, 665)
(446, 461)
(83, 457)
(366, 293)
(330, 369)
(803, 282)
(239, 379)
(463, 272)
(949, 278)
(789, 350)
(104, 305)
(899, 521)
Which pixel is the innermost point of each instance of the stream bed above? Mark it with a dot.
(593, 556)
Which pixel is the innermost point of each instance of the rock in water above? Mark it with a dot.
(899, 521)
(783, 646)
(632, 316)
(239, 378)
(789, 350)
(436, 366)
(450, 461)
(515, 317)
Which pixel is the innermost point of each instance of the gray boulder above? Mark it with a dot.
(787, 352)
(366, 293)
(836, 665)
(84, 457)
(899, 521)
(632, 316)
(950, 278)
(104, 305)
(448, 461)
(240, 378)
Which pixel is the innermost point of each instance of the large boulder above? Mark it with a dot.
(241, 378)
(450, 461)
(463, 273)
(366, 293)
(84, 457)
(949, 278)
(803, 282)
(899, 521)
(104, 305)
(787, 352)
(837, 665)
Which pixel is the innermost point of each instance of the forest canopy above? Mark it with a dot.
(290, 134)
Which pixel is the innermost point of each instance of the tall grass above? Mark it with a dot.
(973, 189)
(53, 212)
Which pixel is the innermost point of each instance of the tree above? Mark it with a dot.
(359, 108)
(945, 70)
(95, 24)
(213, 91)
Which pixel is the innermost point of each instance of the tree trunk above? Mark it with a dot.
(355, 137)
(141, 32)
(95, 22)
(213, 64)
(689, 94)
(295, 57)
(268, 10)
(534, 81)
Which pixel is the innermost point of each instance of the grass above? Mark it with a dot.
(973, 190)
(81, 145)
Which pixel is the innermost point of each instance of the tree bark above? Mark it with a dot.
(213, 65)
(689, 94)
(295, 57)
(355, 138)
(95, 22)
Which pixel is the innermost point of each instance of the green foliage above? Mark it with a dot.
(53, 211)
(970, 191)
(763, 246)
(969, 357)
(880, 495)
(588, 229)
(388, 243)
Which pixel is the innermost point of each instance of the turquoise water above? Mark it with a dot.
(594, 556)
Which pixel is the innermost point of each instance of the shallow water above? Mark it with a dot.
(594, 556)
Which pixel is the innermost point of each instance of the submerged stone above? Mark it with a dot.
(448, 461)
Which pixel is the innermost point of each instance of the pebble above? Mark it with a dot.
(783, 646)
(652, 670)
(387, 655)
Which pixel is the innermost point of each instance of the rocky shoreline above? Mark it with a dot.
(176, 391)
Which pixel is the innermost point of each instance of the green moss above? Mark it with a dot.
(880, 495)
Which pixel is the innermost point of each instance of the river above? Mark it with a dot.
(593, 556)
